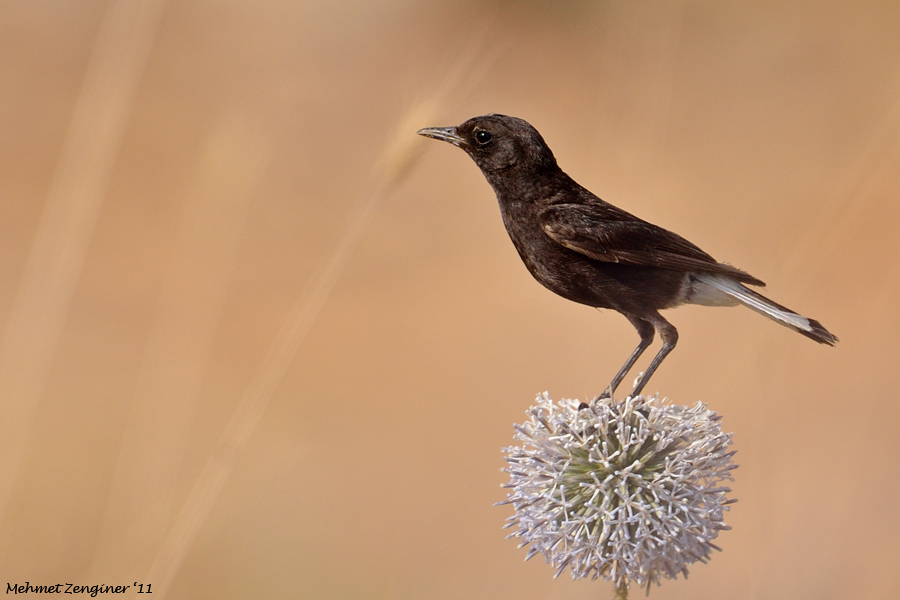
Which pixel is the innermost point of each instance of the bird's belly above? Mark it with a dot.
(626, 288)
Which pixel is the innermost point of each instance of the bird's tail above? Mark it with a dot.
(780, 314)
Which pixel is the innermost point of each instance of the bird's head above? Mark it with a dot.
(497, 143)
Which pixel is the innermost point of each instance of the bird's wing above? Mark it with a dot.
(602, 232)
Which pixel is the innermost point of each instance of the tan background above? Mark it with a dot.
(257, 189)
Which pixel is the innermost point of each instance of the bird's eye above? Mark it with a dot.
(483, 137)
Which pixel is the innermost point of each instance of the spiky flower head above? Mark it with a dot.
(629, 491)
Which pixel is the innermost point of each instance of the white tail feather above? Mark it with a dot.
(701, 294)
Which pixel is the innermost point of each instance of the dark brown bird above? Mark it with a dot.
(590, 252)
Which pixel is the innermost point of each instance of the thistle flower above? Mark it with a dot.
(629, 491)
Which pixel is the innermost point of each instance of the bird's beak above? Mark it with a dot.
(446, 134)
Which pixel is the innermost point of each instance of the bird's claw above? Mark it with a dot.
(606, 394)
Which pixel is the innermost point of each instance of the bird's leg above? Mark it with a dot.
(646, 331)
(669, 336)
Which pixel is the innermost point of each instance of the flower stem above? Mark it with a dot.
(622, 591)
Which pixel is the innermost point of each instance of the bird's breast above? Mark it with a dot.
(559, 269)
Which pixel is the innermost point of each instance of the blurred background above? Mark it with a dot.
(259, 340)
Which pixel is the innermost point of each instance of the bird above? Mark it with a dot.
(593, 253)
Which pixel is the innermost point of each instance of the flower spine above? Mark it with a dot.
(630, 491)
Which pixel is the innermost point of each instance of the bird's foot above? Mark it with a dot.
(606, 394)
(638, 385)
